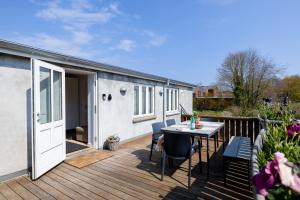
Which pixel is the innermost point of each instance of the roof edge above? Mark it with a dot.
(32, 52)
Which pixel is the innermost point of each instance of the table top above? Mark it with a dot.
(206, 129)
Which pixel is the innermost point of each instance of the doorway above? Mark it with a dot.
(80, 115)
(49, 113)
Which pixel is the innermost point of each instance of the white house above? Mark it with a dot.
(45, 94)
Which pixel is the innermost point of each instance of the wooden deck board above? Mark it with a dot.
(129, 175)
(8, 193)
(50, 190)
(41, 194)
(21, 191)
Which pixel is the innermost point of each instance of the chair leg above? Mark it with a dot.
(218, 140)
(249, 175)
(170, 163)
(190, 172)
(152, 144)
(215, 141)
(200, 157)
(163, 166)
(224, 170)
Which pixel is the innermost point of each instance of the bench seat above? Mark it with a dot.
(238, 149)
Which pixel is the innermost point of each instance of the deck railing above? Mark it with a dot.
(234, 126)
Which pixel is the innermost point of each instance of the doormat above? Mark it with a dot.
(72, 147)
(88, 158)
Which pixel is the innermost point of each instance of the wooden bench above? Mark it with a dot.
(238, 149)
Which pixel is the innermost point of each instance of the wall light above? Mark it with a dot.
(161, 92)
(103, 97)
(123, 90)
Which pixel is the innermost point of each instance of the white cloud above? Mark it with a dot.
(78, 34)
(80, 13)
(155, 39)
(126, 45)
(56, 44)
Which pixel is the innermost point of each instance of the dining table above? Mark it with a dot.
(206, 130)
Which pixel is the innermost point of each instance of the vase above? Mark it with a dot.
(113, 146)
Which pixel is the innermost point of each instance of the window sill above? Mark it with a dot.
(172, 113)
(142, 119)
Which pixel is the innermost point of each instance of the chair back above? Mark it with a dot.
(177, 145)
(156, 129)
(206, 119)
(170, 122)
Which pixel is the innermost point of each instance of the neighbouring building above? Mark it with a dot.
(212, 91)
(46, 97)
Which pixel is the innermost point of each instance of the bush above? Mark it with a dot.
(215, 104)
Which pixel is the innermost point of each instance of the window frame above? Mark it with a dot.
(140, 103)
(171, 100)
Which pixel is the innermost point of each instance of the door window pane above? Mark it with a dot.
(150, 89)
(45, 95)
(136, 100)
(57, 96)
(143, 100)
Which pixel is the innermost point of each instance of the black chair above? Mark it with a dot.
(156, 133)
(170, 122)
(178, 147)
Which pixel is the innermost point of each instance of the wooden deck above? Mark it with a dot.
(130, 175)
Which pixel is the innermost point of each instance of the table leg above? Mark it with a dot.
(207, 143)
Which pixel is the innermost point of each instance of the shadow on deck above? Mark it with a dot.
(130, 175)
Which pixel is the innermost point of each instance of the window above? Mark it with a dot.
(136, 100)
(143, 100)
(57, 96)
(168, 100)
(171, 100)
(45, 95)
(150, 96)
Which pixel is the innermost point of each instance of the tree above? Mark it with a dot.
(291, 87)
(248, 75)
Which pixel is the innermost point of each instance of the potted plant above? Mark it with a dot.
(276, 162)
(113, 142)
(274, 114)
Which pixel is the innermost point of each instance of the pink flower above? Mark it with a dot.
(279, 159)
(266, 179)
(289, 179)
(293, 129)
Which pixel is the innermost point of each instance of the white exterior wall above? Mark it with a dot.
(15, 116)
(186, 99)
(116, 116)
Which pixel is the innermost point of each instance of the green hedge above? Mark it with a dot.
(212, 103)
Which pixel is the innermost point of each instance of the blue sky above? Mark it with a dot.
(185, 40)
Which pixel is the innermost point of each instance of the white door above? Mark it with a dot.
(49, 145)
